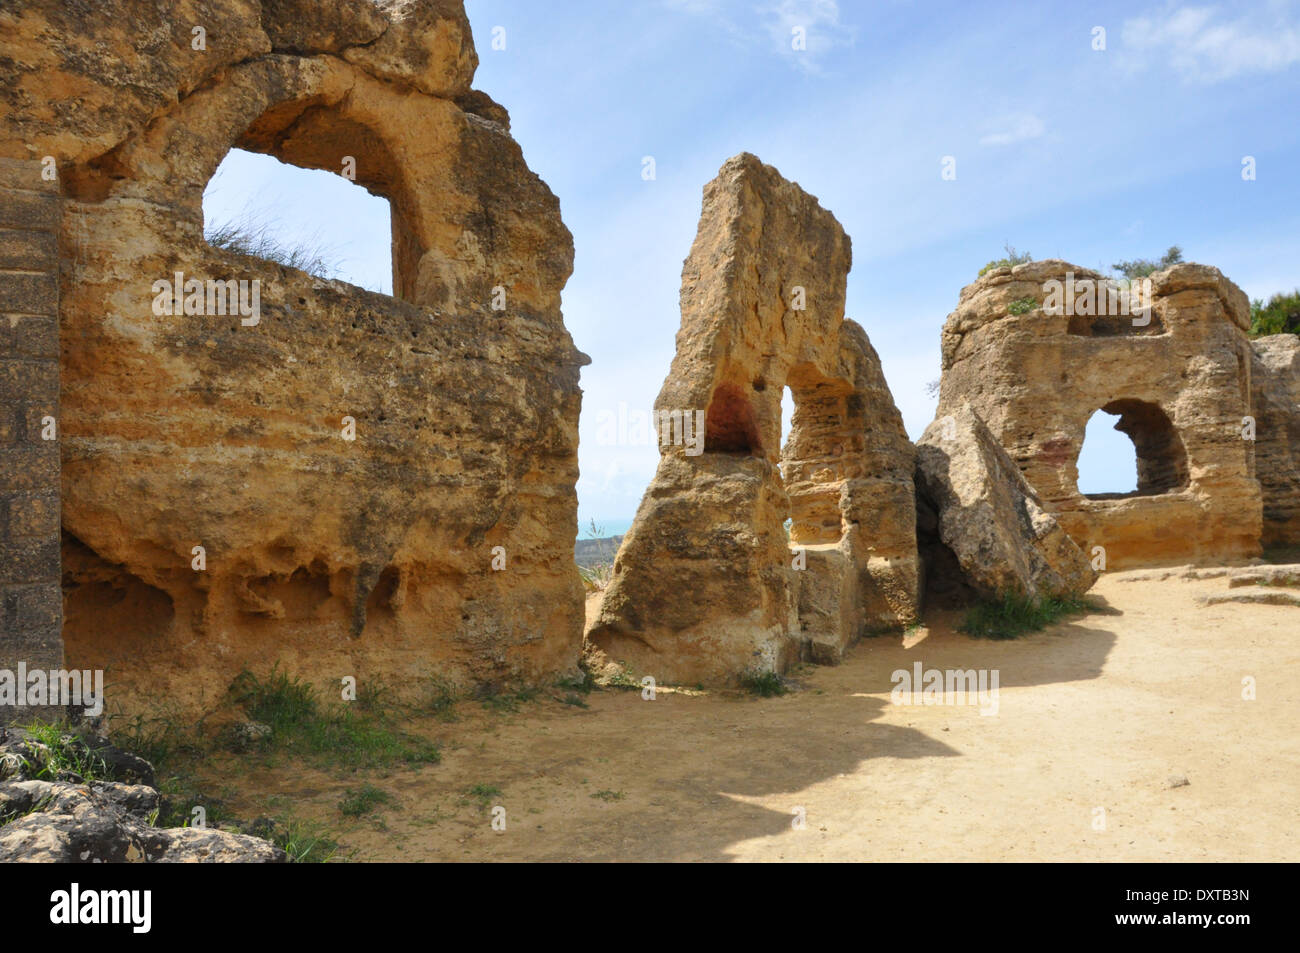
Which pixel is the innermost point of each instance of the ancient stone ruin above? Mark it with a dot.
(254, 464)
(706, 584)
(212, 462)
(1178, 376)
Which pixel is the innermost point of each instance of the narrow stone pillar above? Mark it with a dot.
(31, 601)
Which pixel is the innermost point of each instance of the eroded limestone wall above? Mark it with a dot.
(440, 539)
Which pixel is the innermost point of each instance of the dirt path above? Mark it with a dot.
(1097, 713)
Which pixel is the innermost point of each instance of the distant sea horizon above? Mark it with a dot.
(606, 528)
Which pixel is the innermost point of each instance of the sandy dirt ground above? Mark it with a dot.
(1131, 717)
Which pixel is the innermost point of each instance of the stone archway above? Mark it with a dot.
(706, 585)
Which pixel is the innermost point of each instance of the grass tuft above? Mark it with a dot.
(64, 753)
(358, 802)
(1013, 616)
(763, 684)
(484, 793)
(340, 734)
(442, 698)
(1012, 259)
(305, 841)
(499, 701)
(252, 235)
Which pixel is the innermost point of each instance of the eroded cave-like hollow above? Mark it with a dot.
(730, 425)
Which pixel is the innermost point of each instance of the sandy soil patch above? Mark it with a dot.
(1111, 710)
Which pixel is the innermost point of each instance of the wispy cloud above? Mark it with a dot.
(807, 29)
(1012, 129)
(801, 31)
(1206, 47)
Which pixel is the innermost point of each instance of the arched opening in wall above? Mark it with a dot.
(1130, 448)
(1107, 459)
(816, 454)
(309, 219)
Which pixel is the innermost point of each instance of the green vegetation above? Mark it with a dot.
(1023, 305)
(1012, 259)
(281, 700)
(337, 734)
(495, 700)
(1280, 316)
(1141, 267)
(596, 578)
(304, 841)
(484, 793)
(623, 680)
(608, 795)
(442, 699)
(764, 684)
(181, 793)
(160, 738)
(358, 802)
(39, 805)
(66, 753)
(1013, 616)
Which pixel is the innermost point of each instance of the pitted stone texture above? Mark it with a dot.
(31, 604)
(62, 819)
(1181, 384)
(372, 557)
(705, 585)
(1275, 379)
(1005, 542)
(108, 823)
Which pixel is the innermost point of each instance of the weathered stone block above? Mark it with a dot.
(27, 250)
(1005, 542)
(28, 293)
(28, 210)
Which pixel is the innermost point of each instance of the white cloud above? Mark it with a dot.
(775, 23)
(817, 22)
(1013, 129)
(1207, 48)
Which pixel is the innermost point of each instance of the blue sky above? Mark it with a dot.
(1062, 150)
